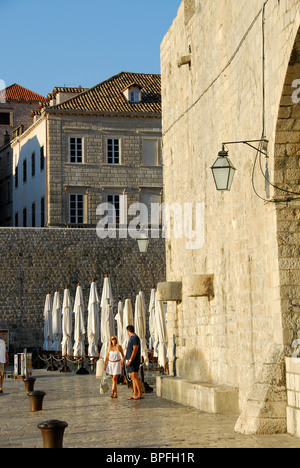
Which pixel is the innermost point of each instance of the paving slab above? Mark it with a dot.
(97, 421)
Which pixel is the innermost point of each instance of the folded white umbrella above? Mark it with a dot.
(93, 321)
(108, 328)
(106, 313)
(106, 292)
(48, 335)
(79, 331)
(119, 320)
(140, 326)
(127, 320)
(161, 324)
(67, 348)
(56, 323)
(152, 324)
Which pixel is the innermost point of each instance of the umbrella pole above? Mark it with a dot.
(65, 369)
(82, 370)
(52, 367)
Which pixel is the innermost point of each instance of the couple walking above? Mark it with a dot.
(113, 363)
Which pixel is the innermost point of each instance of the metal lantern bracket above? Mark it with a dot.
(248, 143)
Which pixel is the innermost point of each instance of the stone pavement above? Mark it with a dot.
(98, 421)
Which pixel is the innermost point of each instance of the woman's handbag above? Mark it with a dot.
(100, 368)
(103, 385)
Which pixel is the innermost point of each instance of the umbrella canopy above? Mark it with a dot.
(119, 319)
(79, 331)
(93, 320)
(152, 322)
(140, 326)
(106, 293)
(67, 347)
(108, 328)
(127, 320)
(107, 317)
(48, 335)
(161, 324)
(56, 322)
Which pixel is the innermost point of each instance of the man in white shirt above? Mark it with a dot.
(4, 359)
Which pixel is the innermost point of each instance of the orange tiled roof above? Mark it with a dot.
(108, 96)
(16, 92)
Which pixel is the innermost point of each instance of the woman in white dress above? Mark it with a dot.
(112, 363)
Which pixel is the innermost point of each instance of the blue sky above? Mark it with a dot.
(47, 43)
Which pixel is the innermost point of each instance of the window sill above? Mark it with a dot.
(158, 166)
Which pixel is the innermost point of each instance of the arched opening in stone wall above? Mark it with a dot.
(287, 178)
(278, 410)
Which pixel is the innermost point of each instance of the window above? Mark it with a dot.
(24, 171)
(77, 209)
(76, 150)
(150, 152)
(152, 200)
(4, 118)
(114, 214)
(135, 97)
(42, 211)
(8, 191)
(113, 151)
(16, 176)
(42, 159)
(16, 219)
(33, 215)
(25, 217)
(33, 165)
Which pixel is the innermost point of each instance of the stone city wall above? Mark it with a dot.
(35, 261)
(214, 91)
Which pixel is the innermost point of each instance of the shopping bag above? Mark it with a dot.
(99, 368)
(103, 385)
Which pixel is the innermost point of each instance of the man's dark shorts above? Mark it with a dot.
(134, 367)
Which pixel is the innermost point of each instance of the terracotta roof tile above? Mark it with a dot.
(16, 92)
(108, 96)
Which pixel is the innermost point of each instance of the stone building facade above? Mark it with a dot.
(84, 147)
(102, 145)
(16, 105)
(230, 72)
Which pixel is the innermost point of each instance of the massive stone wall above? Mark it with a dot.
(226, 92)
(35, 261)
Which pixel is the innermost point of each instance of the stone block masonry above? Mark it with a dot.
(35, 261)
(241, 335)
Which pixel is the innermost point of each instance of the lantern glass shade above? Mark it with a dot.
(143, 243)
(223, 172)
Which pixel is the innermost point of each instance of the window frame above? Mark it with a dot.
(157, 141)
(113, 157)
(25, 171)
(33, 164)
(33, 215)
(25, 217)
(75, 156)
(114, 219)
(76, 219)
(135, 97)
(42, 158)
(9, 119)
(43, 211)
